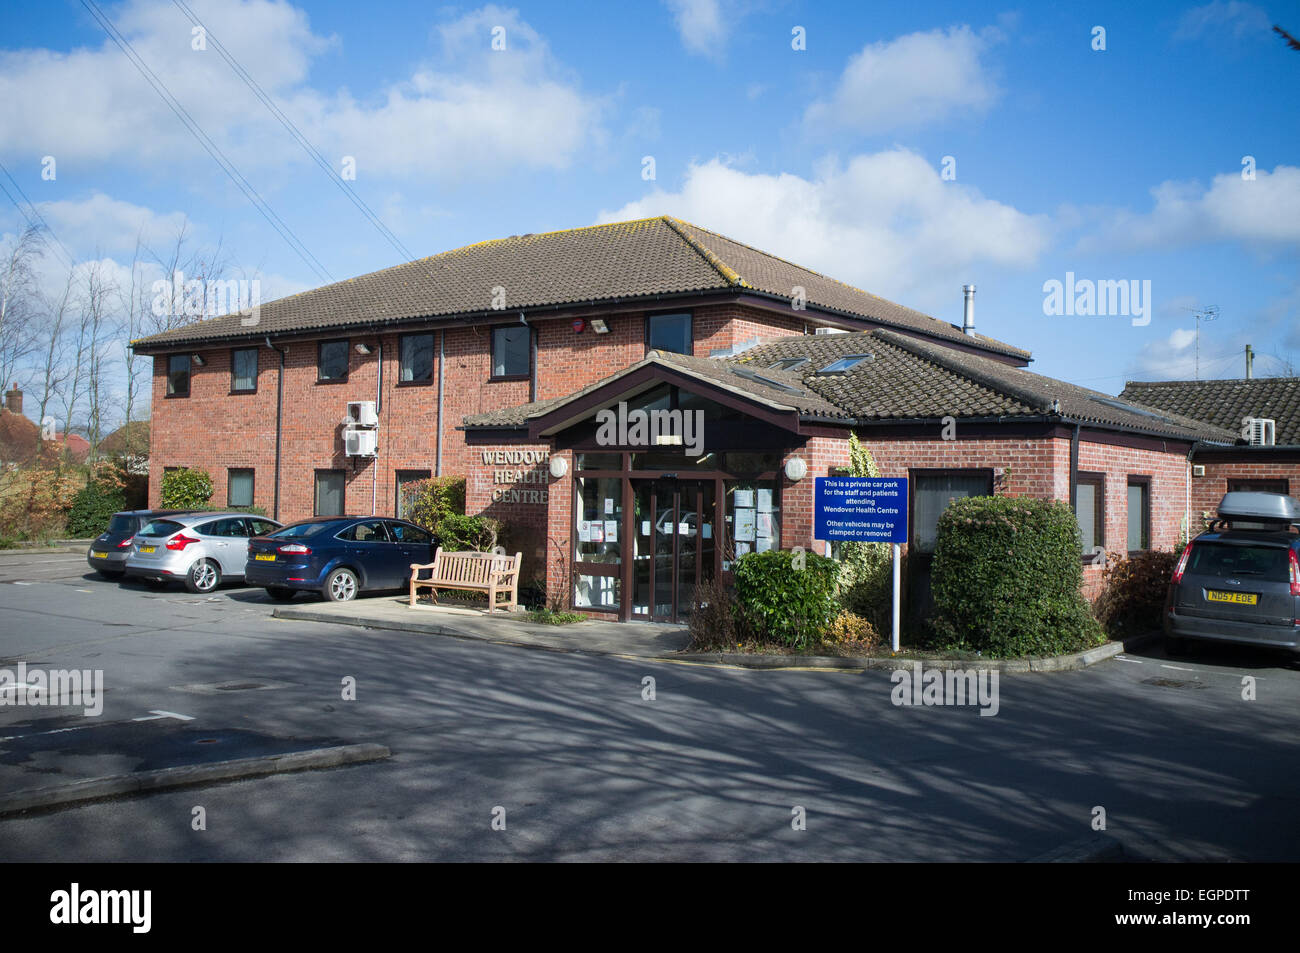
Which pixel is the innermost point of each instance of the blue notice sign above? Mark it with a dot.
(861, 509)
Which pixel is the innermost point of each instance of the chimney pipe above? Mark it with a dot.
(1250, 362)
(968, 314)
(14, 399)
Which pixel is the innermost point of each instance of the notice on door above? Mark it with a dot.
(861, 509)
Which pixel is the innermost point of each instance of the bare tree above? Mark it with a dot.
(55, 369)
(19, 302)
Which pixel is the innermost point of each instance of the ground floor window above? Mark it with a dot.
(329, 493)
(404, 480)
(932, 491)
(239, 487)
(1259, 486)
(1139, 513)
(1090, 510)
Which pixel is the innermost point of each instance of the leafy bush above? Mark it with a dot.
(1133, 591)
(785, 597)
(545, 616)
(427, 502)
(712, 622)
(459, 533)
(34, 502)
(185, 489)
(96, 502)
(1006, 577)
(851, 629)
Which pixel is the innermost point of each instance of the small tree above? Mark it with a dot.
(186, 489)
(427, 502)
(96, 502)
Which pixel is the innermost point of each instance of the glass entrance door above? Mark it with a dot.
(675, 546)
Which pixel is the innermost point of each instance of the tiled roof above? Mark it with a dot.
(904, 379)
(579, 266)
(1225, 403)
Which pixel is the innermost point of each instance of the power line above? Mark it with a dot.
(71, 261)
(297, 134)
(211, 147)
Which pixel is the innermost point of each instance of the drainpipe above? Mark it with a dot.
(532, 359)
(1074, 469)
(442, 357)
(379, 406)
(279, 413)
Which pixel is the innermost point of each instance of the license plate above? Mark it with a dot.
(100, 555)
(1241, 598)
(147, 549)
(264, 557)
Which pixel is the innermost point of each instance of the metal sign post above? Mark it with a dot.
(864, 510)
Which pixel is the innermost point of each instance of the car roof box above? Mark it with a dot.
(1276, 508)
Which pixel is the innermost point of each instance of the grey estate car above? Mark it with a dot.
(1240, 580)
(199, 549)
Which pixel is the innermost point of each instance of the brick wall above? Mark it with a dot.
(1208, 490)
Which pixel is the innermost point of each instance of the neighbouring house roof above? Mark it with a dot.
(903, 379)
(1225, 403)
(19, 437)
(129, 439)
(620, 262)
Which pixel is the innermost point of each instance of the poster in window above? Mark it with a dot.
(762, 544)
(584, 531)
(611, 531)
(597, 531)
(745, 498)
(741, 549)
(744, 525)
(764, 500)
(764, 525)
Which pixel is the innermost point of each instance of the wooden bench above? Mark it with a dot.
(492, 573)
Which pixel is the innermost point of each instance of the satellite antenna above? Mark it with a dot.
(1208, 313)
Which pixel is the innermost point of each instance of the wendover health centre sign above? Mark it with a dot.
(861, 509)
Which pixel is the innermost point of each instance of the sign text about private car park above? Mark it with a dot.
(861, 509)
(534, 470)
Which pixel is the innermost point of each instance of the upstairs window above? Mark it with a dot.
(178, 375)
(416, 358)
(511, 351)
(669, 332)
(332, 361)
(243, 370)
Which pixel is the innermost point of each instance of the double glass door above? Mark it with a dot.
(675, 535)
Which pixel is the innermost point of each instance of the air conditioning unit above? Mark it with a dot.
(361, 413)
(360, 443)
(1260, 431)
(825, 330)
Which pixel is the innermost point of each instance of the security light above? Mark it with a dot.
(599, 326)
(198, 360)
(363, 348)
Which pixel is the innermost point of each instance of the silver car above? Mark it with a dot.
(200, 549)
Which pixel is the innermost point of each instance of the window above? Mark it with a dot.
(371, 531)
(416, 358)
(1090, 510)
(1259, 486)
(227, 527)
(243, 370)
(329, 493)
(332, 361)
(933, 490)
(404, 480)
(788, 363)
(1139, 513)
(845, 363)
(511, 351)
(403, 533)
(259, 527)
(239, 487)
(669, 332)
(178, 375)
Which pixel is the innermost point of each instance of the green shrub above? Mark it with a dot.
(1006, 577)
(785, 597)
(427, 502)
(1133, 591)
(92, 508)
(545, 616)
(185, 489)
(459, 533)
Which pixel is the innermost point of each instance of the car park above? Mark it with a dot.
(338, 557)
(200, 549)
(1240, 580)
(107, 553)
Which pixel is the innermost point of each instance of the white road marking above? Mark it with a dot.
(24, 583)
(155, 714)
(1135, 661)
(1179, 668)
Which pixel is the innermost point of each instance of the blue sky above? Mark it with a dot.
(1122, 163)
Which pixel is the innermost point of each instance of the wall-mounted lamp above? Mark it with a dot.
(599, 326)
(559, 467)
(363, 349)
(198, 360)
(796, 469)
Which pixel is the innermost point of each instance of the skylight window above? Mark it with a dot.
(845, 363)
(751, 375)
(788, 363)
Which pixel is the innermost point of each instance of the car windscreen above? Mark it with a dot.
(122, 524)
(1263, 563)
(301, 530)
(161, 528)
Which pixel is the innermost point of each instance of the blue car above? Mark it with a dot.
(339, 557)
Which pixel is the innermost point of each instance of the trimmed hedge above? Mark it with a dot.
(1006, 578)
(185, 489)
(92, 508)
(786, 597)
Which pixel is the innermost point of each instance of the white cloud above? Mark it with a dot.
(476, 110)
(915, 79)
(1239, 19)
(700, 24)
(1264, 211)
(885, 222)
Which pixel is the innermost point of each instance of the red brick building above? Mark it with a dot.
(504, 361)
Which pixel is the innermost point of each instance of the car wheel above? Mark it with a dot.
(204, 576)
(341, 586)
(279, 593)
